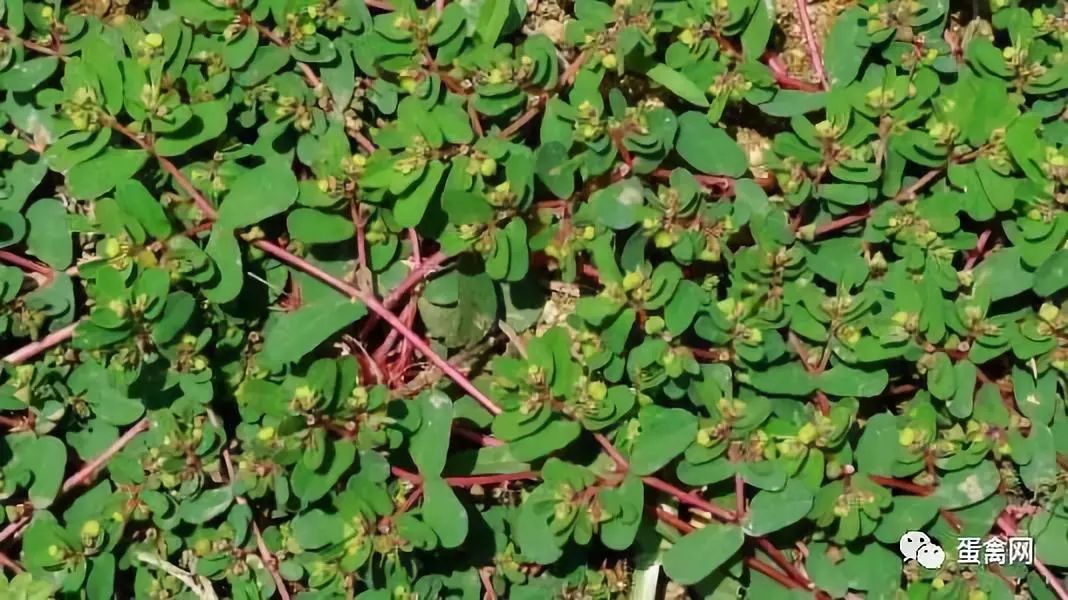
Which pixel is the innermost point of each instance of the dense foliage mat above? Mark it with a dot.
(493, 298)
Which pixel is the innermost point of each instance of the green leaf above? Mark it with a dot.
(429, 445)
(624, 505)
(313, 226)
(136, 201)
(554, 169)
(316, 529)
(847, 381)
(1052, 276)
(412, 204)
(469, 318)
(678, 83)
(493, 15)
(98, 176)
(258, 194)
(1002, 275)
(664, 434)
(208, 122)
(297, 333)
(444, 512)
(27, 75)
(225, 252)
(878, 446)
(697, 555)
(709, 149)
(48, 465)
(49, 235)
(968, 486)
(206, 506)
(771, 511)
(790, 379)
(312, 484)
(618, 206)
(941, 377)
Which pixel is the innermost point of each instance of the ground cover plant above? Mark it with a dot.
(531, 299)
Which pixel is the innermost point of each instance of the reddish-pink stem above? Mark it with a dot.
(739, 497)
(87, 472)
(24, 263)
(814, 53)
(479, 438)
(751, 561)
(469, 480)
(485, 574)
(7, 563)
(42, 345)
(1008, 527)
(533, 111)
(82, 475)
(407, 315)
(38, 48)
(843, 222)
(198, 199)
(409, 318)
(356, 212)
(416, 276)
(309, 74)
(980, 248)
(376, 307)
(689, 498)
(610, 450)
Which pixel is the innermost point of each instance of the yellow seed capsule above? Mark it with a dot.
(907, 436)
(153, 40)
(91, 528)
(609, 61)
(663, 239)
(597, 390)
(265, 434)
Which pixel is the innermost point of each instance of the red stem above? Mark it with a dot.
(6, 33)
(377, 307)
(843, 222)
(82, 475)
(1008, 527)
(479, 438)
(409, 320)
(309, 74)
(470, 480)
(356, 212)
(980, 249)
(533, 111)
(814, 54)
(353, 292)
(751, 561)
(42, 345)
(621, 463)
(416, 276)
(689, 498)
(7, 563)
(823, 403)
(24, 263)
(899, 484)
(739, 497)
(784, 564)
